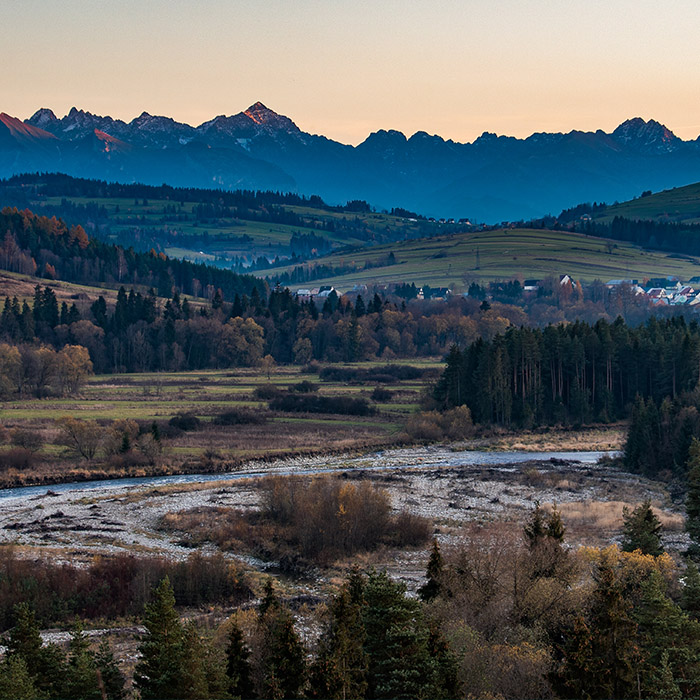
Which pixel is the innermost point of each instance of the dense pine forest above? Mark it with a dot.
(573, 373)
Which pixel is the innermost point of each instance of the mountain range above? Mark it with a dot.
(494, 178)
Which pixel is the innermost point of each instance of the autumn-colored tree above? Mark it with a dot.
(82, 437)
(74, 367)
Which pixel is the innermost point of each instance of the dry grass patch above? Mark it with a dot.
(597, 519)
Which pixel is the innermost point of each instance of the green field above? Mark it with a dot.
(503, 254)
(223, 238)
(680, 204)
(158, 397)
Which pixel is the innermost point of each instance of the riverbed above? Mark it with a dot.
(452, 487)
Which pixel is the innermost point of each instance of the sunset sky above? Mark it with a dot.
(344, 69)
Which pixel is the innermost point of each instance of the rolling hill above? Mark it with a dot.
(459, 259)
(677, 205)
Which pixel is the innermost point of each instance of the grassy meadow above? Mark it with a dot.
(680, 204)
(223, 238)
(502, 254)
(158, 397)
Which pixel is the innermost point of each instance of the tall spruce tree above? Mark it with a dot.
(159, 673)
(396, 641)
(16, 682)
(663, 628)
(238, 668)
(340, 669)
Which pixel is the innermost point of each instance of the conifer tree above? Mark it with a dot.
(431, 588)
(159, 672)
(193, 669)
(45, 664)
(444, 678)
(16, 683)
(663, 628)
(692, 501)
(111, 677)
(340, 670)
(82, 679)
(396, 640)
(690, 596)
(600, 655)
(238, 670)
(283, 659)
(641, 530)
(536, 529)
(662, 684)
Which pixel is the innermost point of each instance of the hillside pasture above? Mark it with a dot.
(459, 259)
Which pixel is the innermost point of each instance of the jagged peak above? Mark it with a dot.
(43, 115)
(645, 134)
(261, 115)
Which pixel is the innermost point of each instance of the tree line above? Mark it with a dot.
(571, 373)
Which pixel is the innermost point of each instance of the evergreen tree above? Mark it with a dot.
(111, 677)
(641, 530)
(16, 682)
(600, 655)
(663, 628)
(555, 526)
(692, 501)
(45, 664)
(159, 673)
(431, 588)
(238, 670)
(396, 641)
(195, 683)
(662, 684)
(24, 639)
(340, 669)
(536, 529)
(283, 660)
(690, 596)
(82, 678)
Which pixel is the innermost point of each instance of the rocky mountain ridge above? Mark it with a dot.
(493, 178)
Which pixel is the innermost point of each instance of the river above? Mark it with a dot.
(411, 458)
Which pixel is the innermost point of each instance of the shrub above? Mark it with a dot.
(17, 458)
(28, 439)
(327, 517)
(409, 530)
(385, 374)
(240, 416)
(311, 368)
(185, 421)
(305, 387)
(305, 403)
(455, 424)
(381, 394)
(267, 392)
(424, 426)
(112, 587)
